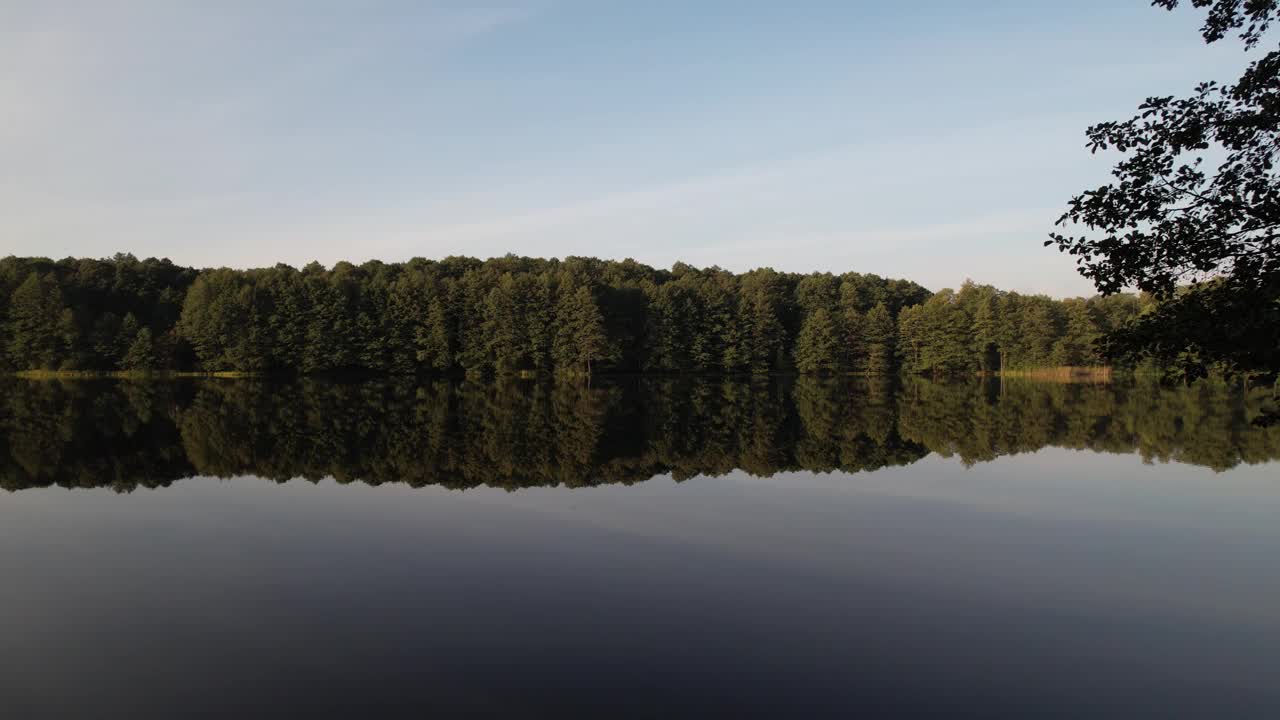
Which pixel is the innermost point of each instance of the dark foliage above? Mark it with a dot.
(510, 316)
(1196, 197)
(503, 316)
(1221, 327)
(1250, 17)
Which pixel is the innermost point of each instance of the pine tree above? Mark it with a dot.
(214, 319)
(764, 335)
(128, 331)
(504, 327)
(398, 324)
(431, 338)
(1009, 339)
(818, 346)
(667, 348)
(718, 322)
(539, 321)
(104, 340)
(855, 349)
(580, 334)
(467, 305)
(937, 336)
(986, 335)
(141, 354)
(71, 348)
(1039, 327)
(911, 338)
(36, 322)
(880, 340)
(1075, 347)
(818, 290)
(287, 323)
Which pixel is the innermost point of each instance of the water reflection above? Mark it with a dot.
(126, 435)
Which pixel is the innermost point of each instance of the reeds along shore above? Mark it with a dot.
(126, 374)
(1055, 374)
(1066, 373)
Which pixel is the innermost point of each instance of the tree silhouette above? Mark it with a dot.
(1194, 198)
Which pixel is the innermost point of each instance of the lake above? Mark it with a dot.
(644, 548)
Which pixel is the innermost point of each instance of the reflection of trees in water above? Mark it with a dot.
(1209, 424)
(90, 434)
(520, 434)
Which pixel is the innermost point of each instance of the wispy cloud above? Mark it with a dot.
(905, 237)
(146, 106)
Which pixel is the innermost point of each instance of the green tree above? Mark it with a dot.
(667, 328)
(763, 335)
(986, 337)
(912, 338)
(818, 346)
(580, 334)
(854, 351)
(432, 338)
(1039, 325)
(141, 354)
(938, 336)
(1080, 332)
(36, 320)
(214, 318)
(105, 340)
(881, 341)
(819, 290)
(504, 327)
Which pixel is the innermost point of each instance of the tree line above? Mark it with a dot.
(514, 434)
(514, 315)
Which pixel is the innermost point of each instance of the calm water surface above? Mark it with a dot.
(638, 549)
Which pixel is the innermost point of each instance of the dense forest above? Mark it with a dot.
(513, 315)
(513, 434)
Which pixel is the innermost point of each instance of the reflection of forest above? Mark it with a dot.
(129, 434)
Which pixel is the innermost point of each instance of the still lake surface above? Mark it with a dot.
(637, 548)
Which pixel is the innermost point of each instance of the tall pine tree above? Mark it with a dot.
(36, 321)
(580, 334)
(818, 346)
(880, 340)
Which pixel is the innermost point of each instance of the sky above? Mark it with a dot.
(930, 140)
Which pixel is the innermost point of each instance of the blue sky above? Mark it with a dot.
(930, 140)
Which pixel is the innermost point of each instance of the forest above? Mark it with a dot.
(517, 316)
(521, 433)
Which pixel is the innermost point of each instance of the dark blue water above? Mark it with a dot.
(1049, 583)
